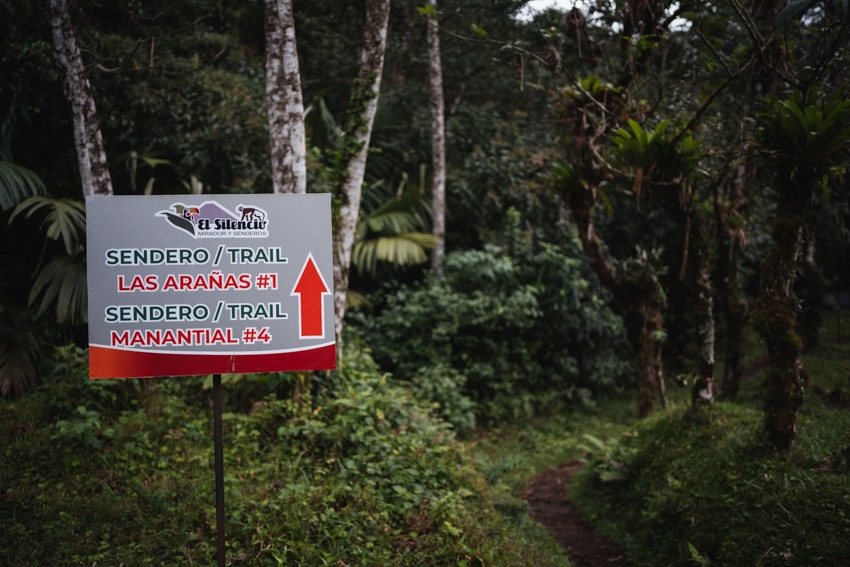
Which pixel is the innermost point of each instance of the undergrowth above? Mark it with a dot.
(357, 473)
(688, 486)
(361, 472)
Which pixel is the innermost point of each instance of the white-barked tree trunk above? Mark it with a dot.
(91, 155)
(438, 140)
(287, 139)
(364, 101)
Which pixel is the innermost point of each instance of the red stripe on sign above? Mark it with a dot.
(107, 362)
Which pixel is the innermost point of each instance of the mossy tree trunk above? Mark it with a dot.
(646, 298)
(775, 316)
(812, 295)
(284, 100)
(650, 357)
(737, 316)
(695, 278)
(637, 293)
(363, 106)
(730, 209)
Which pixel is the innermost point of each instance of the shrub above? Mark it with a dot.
(518, 328)
(692, 484)
(359, 474)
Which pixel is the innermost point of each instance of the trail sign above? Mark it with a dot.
(208, 284)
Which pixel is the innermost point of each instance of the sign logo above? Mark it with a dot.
(211, 220)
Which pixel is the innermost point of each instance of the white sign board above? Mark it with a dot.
(209, 284)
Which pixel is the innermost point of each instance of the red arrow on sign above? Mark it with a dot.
(311, 288)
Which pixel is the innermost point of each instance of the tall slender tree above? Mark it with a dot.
(438, 137)
(803, 138)
(730, 201)
(287, 131)
(697, 273)
(91, 155)
(729, 209)
(287, 138)
(634, 282)
(361, 116)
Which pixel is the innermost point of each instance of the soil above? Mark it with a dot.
(550, 507)
(546, 495)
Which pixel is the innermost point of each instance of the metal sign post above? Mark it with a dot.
(221, 552)
(185, 285)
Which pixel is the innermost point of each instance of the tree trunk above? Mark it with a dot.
(737, 316)
(639, 293)
(581, 202)
(774, 315)
(640, 18)
(646, 298)
(650, 356)
(762, 82)
(91, 156)
(702, 309)
(735, 306)
(438, 141)
(284, 100)
(364, 104)
(812, 295)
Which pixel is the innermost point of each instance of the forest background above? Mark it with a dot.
(632, 190)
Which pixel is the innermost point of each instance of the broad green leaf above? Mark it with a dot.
(64, 219)
(17, 183)
(62, 283)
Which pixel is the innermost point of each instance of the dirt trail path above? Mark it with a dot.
(547, 497)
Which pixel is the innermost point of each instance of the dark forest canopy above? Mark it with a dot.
(679, 150)
(646, 202)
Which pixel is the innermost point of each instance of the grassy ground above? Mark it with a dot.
(509, 458)
(685, 487)
(120, 473)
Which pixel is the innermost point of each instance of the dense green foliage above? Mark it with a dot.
(681, 124)
(121, 472)
(513, 329)
(700, 486)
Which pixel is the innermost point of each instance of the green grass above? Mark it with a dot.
(699, 487)
(510, 457)
(120, 472)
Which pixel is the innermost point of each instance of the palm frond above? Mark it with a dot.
(322, 129)
(393, 221)
(17, 370)
(62, 283)
(19, 350)
(17, 183)
(392, 224)
(399, 250)
(64, 219)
